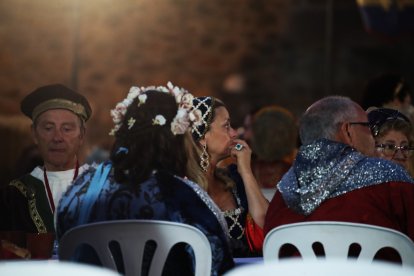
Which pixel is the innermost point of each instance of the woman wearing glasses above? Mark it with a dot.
(392, 133)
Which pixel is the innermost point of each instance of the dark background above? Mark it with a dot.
(247, 52)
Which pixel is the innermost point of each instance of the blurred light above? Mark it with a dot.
(234, 83)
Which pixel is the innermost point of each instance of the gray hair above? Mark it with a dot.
(322, 119)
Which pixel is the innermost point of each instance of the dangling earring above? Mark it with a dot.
(204, 158)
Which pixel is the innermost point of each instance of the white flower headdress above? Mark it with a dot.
(182, 121)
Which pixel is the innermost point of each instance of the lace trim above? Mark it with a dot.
(234, 216)
(208, 201)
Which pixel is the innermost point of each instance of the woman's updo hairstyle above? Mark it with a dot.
(144, 140)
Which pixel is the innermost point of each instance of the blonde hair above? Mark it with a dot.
(193, 152)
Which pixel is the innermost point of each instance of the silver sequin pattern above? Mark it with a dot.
(326, 169)
(208, 201)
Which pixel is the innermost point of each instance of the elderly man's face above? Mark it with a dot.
(59, 136)
(361, 136)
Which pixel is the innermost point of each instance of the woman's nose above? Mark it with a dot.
(233, 133)
(400, 155)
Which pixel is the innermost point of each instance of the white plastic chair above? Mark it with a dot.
(52, 268)
(132, 236)
(336, 238)
(297, 267)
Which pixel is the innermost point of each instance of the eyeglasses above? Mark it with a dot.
(367, 124)
(391, 149)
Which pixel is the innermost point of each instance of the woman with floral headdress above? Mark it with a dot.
(146, 177)
(234, 188)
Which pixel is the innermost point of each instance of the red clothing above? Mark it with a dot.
(388, 205)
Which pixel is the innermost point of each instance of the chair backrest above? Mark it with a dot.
(337, 238)
(52, 268)
(297, 267)
(132, 236)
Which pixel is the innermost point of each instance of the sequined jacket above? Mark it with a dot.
(332, 181)
(161, 197)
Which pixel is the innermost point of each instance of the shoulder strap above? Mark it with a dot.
(94, 189)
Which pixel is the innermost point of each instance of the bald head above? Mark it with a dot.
(338, 119)
(322, 119)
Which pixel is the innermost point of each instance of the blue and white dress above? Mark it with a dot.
(162, 196)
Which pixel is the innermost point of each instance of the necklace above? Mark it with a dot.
(233, 218)
(49, 191)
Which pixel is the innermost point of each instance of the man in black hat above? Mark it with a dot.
(59, 115)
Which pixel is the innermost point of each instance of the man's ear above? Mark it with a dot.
(33, 133)
(82, 132)
(344, 135)
(82, 135)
